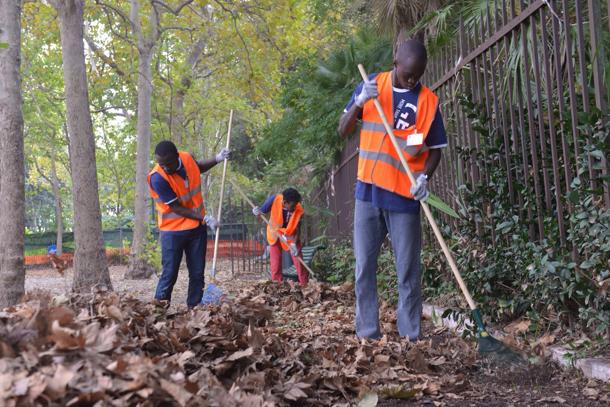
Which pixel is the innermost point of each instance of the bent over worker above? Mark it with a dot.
(386, 202)
(285, 215)
(175, 186)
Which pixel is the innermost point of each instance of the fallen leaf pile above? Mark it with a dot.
(272, 345)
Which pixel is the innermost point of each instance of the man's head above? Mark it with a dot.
(409, 63)
(166, 155)
(291, 199)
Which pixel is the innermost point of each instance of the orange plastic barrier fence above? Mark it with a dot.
(226, 248)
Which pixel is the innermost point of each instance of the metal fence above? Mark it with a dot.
(529, 69)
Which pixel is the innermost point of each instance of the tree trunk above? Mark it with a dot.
(90, 266)
(139, 268)
(59, 222)
(12, 169)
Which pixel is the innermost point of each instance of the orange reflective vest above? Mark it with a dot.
(378, 162)
(188, 192)
(277, 220)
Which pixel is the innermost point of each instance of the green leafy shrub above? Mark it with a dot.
(510, 275)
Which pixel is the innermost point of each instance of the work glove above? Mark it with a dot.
(256, 211)
(294, 250)
(369, 91)
(224, 154)
(211, 222)
(420, 189)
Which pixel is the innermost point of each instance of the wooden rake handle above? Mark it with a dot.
(424, 205)
(282, 237)
(222, 191)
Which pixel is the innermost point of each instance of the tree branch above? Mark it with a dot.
(175, 11)
(107, 60)
(241, 37)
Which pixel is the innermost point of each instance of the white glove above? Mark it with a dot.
(256, 211)
(293, 249)
(224, 154)
(211, 222)
(420, 189)
(369, 91)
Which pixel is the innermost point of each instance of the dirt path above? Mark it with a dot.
(292, 346)
(49, 280)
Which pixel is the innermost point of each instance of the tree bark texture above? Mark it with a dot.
(139, 267)
(12, 169)
(90, 266)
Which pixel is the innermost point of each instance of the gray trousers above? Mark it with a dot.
(370, 228)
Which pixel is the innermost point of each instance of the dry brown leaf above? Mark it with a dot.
(518, 327)
(255, 339)
(553, 399)
(546, 340)
(437, 361)
(177, 392)
(590, 392)
(240, 354)
(114, 312)
(65, 338)
(64, 315)
(369, 400)
(37, 382)
(295, 393)
(56, 385)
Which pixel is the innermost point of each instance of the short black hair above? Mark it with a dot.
(412, 48)
(165, 148)
(291, 195)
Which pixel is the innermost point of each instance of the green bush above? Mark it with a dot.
(510, 275)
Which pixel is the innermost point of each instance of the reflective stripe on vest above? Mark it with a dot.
(378, 161)
(174, 215)
(188, 192)
(185, 197)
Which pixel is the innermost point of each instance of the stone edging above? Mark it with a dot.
(593, 368)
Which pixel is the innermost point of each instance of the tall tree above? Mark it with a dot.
(12, 169)
(90, 267)
(138, 267)
(146, 40)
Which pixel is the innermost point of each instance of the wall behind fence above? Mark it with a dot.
(518, 81)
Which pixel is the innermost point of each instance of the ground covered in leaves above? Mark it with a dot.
(268, 344)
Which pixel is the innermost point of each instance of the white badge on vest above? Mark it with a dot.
(415, 139)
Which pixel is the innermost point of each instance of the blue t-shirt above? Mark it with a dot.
(266, 208)
(405, 110)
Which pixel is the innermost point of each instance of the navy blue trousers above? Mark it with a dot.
(193, 243)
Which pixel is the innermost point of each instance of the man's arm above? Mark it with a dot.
(348, 120)
(185, 212)
(434, 158)
(206, 165)
(364, 91)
